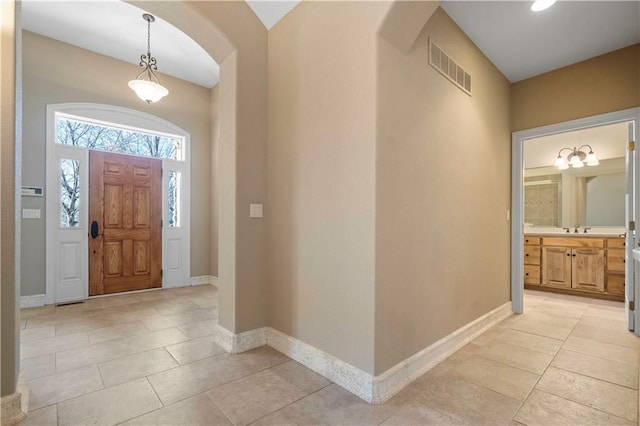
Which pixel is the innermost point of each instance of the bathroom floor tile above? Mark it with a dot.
(110, 406)
(194, 350)
(196, 411)
(469, 402)
(534, 342)
(199, 329)
(541, 329)
(524, 359)
(255, 396)
(599, 368)
(602, 350)
(47, 416)
(33, 368)
(542, 408)
(117, 331)
(199, 376)
(135, 366)
(613, 399)
(62, 386)
(330, 405)
(509, 381)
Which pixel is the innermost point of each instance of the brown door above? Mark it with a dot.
(125, 201)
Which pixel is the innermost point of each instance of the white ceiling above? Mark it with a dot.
(520, 43)
(271, 11)
(523, 44)
(116, 29)
(608, 141)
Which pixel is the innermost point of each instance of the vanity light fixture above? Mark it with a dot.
(146, 85)
(540, 5)
(576, 158)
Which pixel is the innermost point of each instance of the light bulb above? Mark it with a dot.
(540, 5)
(591, 159)
(575, 162)
(561, 163)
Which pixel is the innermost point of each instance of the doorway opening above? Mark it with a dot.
(573, 228)
(117, 201)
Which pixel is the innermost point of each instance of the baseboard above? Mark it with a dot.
(399, 376)
(32, 301)
(346, 375)
(237, 343)
(11, 411)
(374, 390)
(204, 279)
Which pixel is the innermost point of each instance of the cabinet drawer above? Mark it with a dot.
(531, 274)
(615, 283)
(532, 255)
(528, 240)
(615, 260)
(573, 242)
(615, 242)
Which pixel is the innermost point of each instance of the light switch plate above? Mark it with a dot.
(31, 213)
(255, 210)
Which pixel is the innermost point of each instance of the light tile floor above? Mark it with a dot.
(150, 359)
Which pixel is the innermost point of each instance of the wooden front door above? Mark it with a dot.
(125, 209)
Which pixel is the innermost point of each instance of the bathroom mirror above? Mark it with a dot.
(592, 196)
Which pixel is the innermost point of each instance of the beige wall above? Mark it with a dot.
(10, 333)
(215, 190)
(77, 75)
(321, 209)
(237, 40)
(443, 190)
(606, 83)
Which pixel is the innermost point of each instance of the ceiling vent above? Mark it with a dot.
(442, 62)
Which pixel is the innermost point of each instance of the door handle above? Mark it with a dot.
(94, 230)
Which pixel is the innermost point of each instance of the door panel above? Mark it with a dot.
(125, 201)
(556, 266)
(587, 269)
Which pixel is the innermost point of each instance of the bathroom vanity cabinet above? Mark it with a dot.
(592, 266)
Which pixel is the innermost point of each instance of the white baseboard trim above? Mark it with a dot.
(374, 390)
(204, 279)
(346, 375)
(32, 301)
(399, 376)
(237, 343)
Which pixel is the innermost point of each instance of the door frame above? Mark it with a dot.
(517, 196)
(125, 118)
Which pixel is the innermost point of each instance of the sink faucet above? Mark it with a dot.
(585, 229)
(575, 231)
(567, 229)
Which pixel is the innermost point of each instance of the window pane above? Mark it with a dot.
(174, 199)
(113, 139)
(69, 193)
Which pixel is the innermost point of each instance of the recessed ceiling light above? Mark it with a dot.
(540, 5)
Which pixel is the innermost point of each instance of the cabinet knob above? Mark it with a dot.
(526, 274)
(568, 254)
(573, 255)
(526, 254)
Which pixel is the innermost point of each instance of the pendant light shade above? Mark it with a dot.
(576, 158)
(147, 85)
(148, 90)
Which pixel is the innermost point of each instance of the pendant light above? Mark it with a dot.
(146, 85)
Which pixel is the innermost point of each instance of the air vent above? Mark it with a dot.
(449, 68)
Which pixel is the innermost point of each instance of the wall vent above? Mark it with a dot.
(446, 66)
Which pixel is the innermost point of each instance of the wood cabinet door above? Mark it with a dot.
(587, 269)
(125, 202)
(556, 266)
